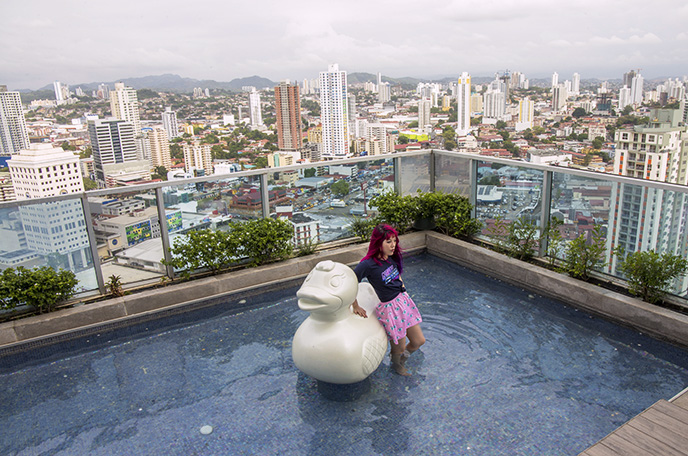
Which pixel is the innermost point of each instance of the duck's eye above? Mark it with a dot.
(335, 281)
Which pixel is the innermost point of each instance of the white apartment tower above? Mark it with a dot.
(334, 113)
(424, 108)
(637, 89)
(55, 227)
(124, 104)
(555, 80)
(384, 93)
(57, 86)
(526, 114)
(254, 107)
(463, 99)
(14, 136)
(170, 124)
(160, 148)
(559, 96)
(575, 84)
(115, 156)
(198, 159)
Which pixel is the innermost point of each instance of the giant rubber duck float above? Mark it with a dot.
(333, 344)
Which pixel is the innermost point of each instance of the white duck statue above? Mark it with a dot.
(333, 344)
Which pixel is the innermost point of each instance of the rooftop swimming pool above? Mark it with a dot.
(504, 372)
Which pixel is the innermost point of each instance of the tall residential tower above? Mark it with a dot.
(334, 113)
(288, 111)
(463, 99)
(14, 135)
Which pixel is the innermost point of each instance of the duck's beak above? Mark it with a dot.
(311, 299)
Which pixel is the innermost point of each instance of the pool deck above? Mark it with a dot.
(661, 430)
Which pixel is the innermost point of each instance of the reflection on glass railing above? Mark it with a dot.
(127, 232)
(48, 234)
(415, 174)
(323, 202)
(506, 193)
(452, 175)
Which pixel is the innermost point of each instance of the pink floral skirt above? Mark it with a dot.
(397, 316)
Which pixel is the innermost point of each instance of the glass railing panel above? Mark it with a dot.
(415, 174)
(48, 234)
(452, 175)
(128, 235)
(213, 204)
(322, 201)
(647, 219)
(579, 205)
(505, 194)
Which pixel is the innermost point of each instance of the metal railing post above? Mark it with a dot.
(431, 170)
(546, 202)
(397, 175)
(473, 181)
(93, 244)
(164, 232)
(264, 195)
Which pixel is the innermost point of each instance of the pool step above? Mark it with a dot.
(661, 430)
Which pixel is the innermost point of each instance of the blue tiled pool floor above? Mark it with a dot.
(504, 372)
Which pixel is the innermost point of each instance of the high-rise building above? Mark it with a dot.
(624, 97)
(254, 108)
(160, 148)
(352, 107)
(493, 105)
(59, 96)
(55, 228)
(476, 104)
(14, 136)
(575, 84)
(288, 113)
(424, 108)
(555, 80)
(169, 123)
(115, 156)
(124, 104)
(628, 79)
(559, 95)
(334, 113)
(637, 89)
(377, 141)
(648, 218)
(526, 114)
(463, 110)
(384, 93)
(198, 159)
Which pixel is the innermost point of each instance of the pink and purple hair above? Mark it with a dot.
(380, 234)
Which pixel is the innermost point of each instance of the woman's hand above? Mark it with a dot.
(358, 310)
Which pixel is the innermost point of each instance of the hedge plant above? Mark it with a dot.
(583, 254)
(260, 241)
(650, 274)
(41, 288)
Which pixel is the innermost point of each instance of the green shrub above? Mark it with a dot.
(554, 240)
(114, 285)
(650, 274)
(41, 288)
(363, 228)
(453, 215)
(517, 239)
(398, 211)
(204, 250)
(264, 240)
(583, 255)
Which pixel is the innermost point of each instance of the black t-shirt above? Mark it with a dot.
(384, 277)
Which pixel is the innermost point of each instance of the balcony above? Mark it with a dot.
(538, 193)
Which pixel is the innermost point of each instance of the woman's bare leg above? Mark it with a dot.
(416, 338)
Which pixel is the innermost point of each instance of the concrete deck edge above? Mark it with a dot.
(653, 320)
(72, 319)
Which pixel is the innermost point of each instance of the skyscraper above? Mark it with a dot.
(334, 113)
(14, 135)
(424, 108)
(115, 157)
(555, 80)
(463, 110)
(57, 85)
(384, 93)
(637, 89)
(526, 111)
(169, 123)
(198, 159)
(124, 104)
(559, 95)
(160, 148)
(575, 84)
(288, 113)
(254, 108)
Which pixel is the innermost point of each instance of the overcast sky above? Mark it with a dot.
(80, 41)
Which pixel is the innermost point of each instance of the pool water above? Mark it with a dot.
(504, 372)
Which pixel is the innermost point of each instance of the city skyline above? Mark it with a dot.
(77, 42)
